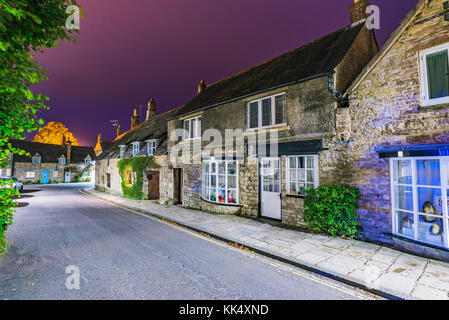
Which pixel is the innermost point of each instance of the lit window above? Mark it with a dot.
(55, 174)
(122, 151)
(302, 174)
(30, 174)
(267, 112)
(192, 128)
(88, 160)
(151, 147)
(62, 161)
(435, 75)
(136, 148)
(220, 181)
(36, 159)
(420, 192)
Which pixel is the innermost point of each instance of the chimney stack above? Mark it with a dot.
(69, 151)
(152, 109)
(119, 130)
(201, 86)
(358, 10)
(135, 119)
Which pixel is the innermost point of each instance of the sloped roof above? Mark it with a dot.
(154, 128)
(315, 58)
(50, 153)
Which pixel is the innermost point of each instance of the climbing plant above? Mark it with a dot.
(131, 172)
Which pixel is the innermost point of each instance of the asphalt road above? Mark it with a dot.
(123, 255)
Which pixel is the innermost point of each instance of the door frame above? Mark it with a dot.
(260, 184)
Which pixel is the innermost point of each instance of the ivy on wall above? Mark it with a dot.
(131, 172)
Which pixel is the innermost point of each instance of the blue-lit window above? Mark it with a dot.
(151, 147)
(36, 159)
(420, 192)
(136, 148)
(62, 161)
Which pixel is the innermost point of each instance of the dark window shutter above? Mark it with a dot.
(438, 74)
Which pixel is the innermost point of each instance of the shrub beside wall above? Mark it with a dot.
(331, 209)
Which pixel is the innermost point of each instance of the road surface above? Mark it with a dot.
(123, 255)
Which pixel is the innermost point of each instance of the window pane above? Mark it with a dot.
(213, 195)
(186, 129)
(310, 163)
(429, 200)
(301, 163)
(232, 182)
(293, 188)
(438, 74)
(206, 167)
(403, 171)
(403, 198)
(292, 163)
(222, 196)
(293, 175)
(254, 115)
(198, 128)
(213, 167)
(405, 224)
(280, 109)
(232, 168)
(430, 231)
(302, 175)
(428, 172)
(193, 128)
(213, 181)
(221, 167)
(266, 112)
(232, 196)
(310, 176)
(222, 181)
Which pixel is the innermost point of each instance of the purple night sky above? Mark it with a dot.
(130, 51)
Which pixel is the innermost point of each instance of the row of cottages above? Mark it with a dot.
(337, 110)
(47, 163)
(144, 139)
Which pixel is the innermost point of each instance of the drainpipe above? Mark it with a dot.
(337, 94)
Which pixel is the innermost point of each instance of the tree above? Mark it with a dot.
(26, 27)
(55, 133)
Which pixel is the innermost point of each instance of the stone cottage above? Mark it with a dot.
(252, 143)
(50, 163)
(146, 139)
(393, 135)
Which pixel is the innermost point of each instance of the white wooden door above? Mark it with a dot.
(67, 177)
(270, 188)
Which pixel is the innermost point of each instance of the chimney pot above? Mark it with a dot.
(201, 86)
(119, 130)
(135, 119)
(357, 11)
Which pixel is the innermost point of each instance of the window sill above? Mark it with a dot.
(222, 204)
(294, 196)
(277, 126)
(435, 102)
(424, 244)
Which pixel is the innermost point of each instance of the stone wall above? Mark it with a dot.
(20, 169)
(385, 109)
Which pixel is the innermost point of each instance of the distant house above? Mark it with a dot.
(393, 137)
(146, 139)
(287, 106)
(48, 162)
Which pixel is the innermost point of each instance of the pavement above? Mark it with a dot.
(379, 269)
(60, 235)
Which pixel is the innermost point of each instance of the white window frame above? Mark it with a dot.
(136, 148)
(35, 161)
(188, 135)
(151, 147)
(226, 175)
(88, 160)
(273, 113)
(425, 101)
(31, 176)
(122, 151)
(444, 171)
(63, 162)
(316, 176)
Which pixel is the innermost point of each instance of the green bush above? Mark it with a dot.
(331, 209)
(136, 165)
(7, 205)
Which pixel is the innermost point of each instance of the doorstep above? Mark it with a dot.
(377, 269)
